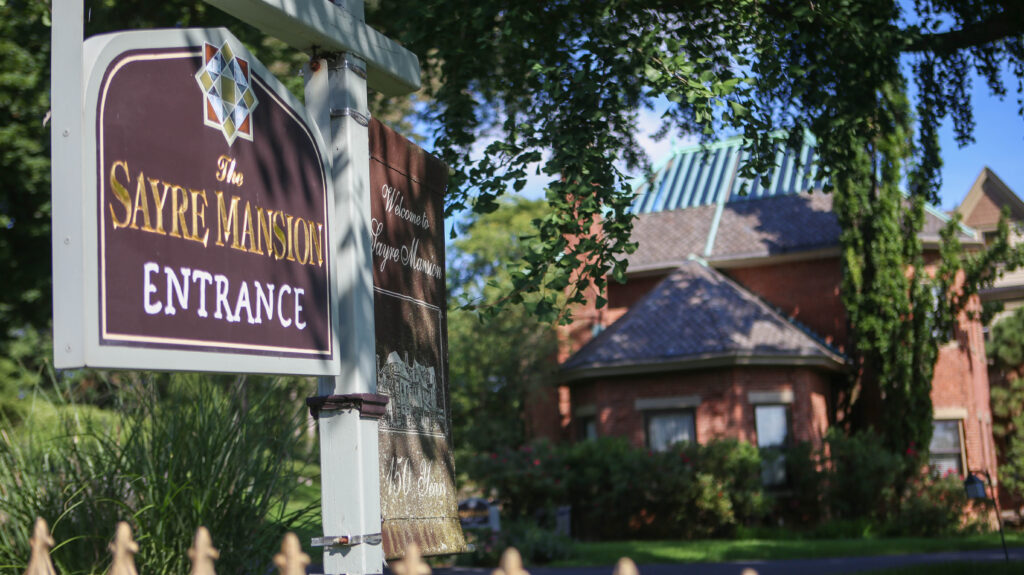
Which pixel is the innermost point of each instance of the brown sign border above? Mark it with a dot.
(107, 338)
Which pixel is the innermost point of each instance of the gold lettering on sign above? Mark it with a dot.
(180, 212)
(122, 196)
(248, 232)
(227, 216)
(141, 205)
(279, 235)
(315, 246)
(179, 207)
(264, 229)
(199, 216)
(158, 200)
(226, 171)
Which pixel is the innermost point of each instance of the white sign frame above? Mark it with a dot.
(76, 229)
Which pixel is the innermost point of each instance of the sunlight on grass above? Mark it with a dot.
(306, 494)
(964, 568)
(608, 552)
(44, 420)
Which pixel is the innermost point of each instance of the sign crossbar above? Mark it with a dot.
(311, 25)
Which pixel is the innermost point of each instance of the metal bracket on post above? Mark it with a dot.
(360, 118)
(347, 540)
(372, 405)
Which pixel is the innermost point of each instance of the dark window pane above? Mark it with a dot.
(946, 437)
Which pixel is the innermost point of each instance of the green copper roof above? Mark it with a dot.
(705, 175)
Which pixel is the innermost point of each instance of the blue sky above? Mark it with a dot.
(999, 144)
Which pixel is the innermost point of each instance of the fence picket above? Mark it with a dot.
(511, 563)
(203, 553)
(291, 560)
(412, 563)
(39, 562)
(625, 566)
(123, 549)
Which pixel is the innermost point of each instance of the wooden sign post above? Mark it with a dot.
(247, 246)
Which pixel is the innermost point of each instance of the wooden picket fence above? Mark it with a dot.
(290, 561)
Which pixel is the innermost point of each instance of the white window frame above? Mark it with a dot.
(961, 451)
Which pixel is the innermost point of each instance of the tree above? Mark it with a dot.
(1006, 348)
(497, 363)
(24, 165)
(558, 84)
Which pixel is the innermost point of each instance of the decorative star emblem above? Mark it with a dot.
(227, 90)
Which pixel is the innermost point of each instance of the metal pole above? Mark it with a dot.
(999, 514)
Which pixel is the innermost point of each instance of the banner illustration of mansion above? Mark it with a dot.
(414, 404)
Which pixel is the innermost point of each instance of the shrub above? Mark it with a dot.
(859, 475)
(737, 466)
(198, 457)
(846, 488)
(609, 487)
(535, 544)
(616, 490)
(528, 481)
(802, 504)
(718, 490)
(931, 506)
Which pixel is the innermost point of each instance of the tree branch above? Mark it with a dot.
(1007, 24)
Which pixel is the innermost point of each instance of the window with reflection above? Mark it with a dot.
(771, 424)
(945, 452)
(666, 428)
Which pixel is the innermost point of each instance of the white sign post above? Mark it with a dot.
(348, 56)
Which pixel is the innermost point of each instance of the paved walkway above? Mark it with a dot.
(780, 567)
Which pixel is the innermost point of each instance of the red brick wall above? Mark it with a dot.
(961, 382)
(724, 410)
(807, 291)
(546, 411)
(623, 296)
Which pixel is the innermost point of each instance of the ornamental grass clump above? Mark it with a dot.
(200, 455)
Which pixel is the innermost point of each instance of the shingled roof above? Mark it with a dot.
(697, 318)
(693, 205)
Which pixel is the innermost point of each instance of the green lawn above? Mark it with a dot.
(304, 495)
(607, 553)
(987, 567)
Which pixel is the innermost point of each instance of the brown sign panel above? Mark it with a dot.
(417, 472)
(212, 209)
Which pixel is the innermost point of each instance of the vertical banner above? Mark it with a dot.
(417, 470)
